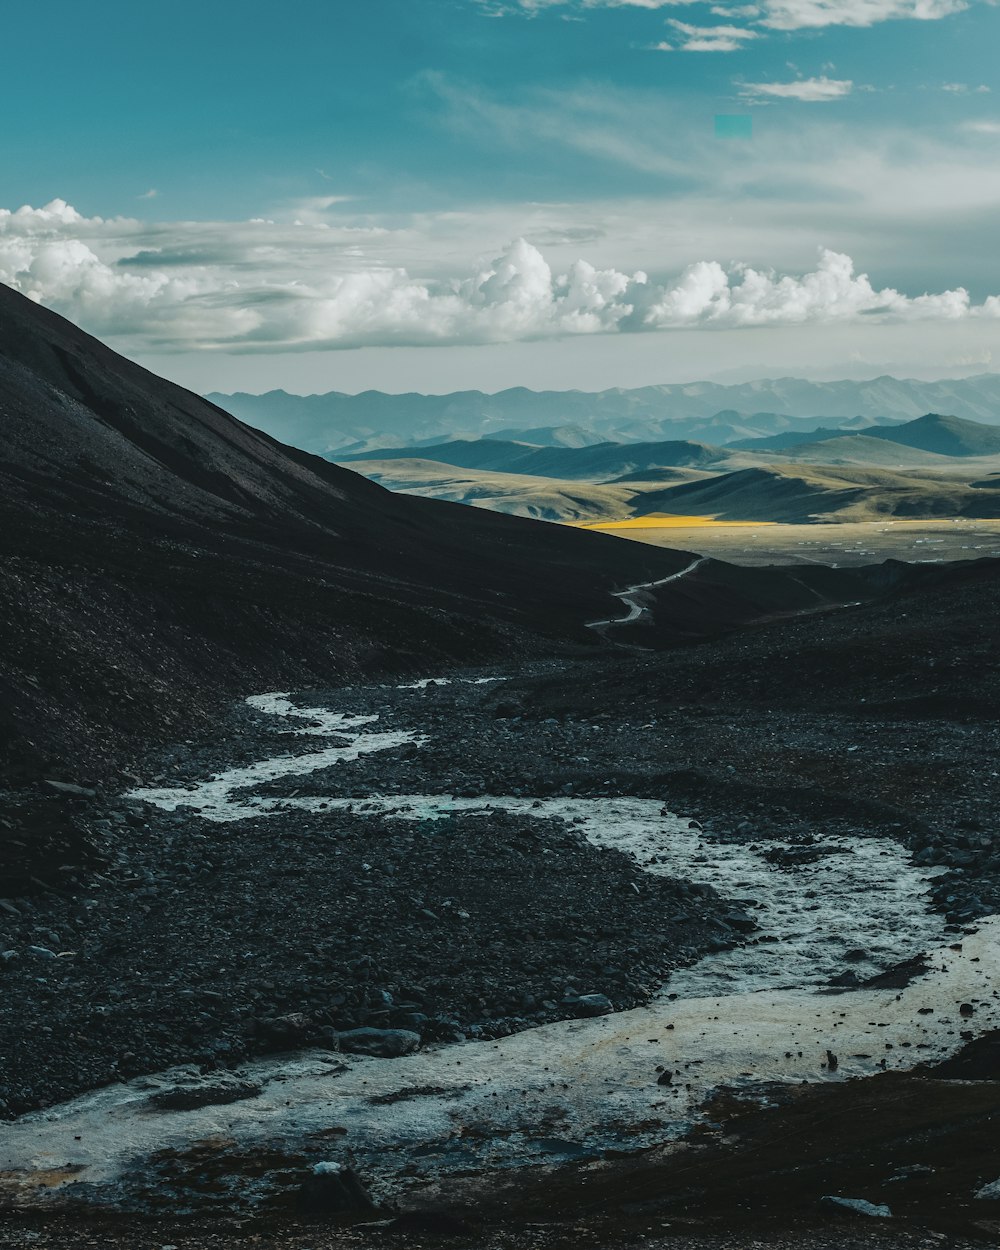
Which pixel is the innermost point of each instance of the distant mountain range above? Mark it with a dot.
(701, 411)
(931, 467)
(927, 441)
(941, 436)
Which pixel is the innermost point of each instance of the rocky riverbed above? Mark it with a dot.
(176, 943)
(306, 897)
(190, 938)
(197, 942)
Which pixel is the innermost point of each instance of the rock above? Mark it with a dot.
(441, 1029)
(42, 952)
(290, 1030)
(334, 1187)
(910, 1173)
(990, 1192)
(382, 1043)
(435, 1223)
(859, 1206)
(69, 790)
(209, 1093)
(590, 1005)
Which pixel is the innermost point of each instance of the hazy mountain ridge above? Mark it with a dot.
(932, 432)
(601, 460)
(704, 411)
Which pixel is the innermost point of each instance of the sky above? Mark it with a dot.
(446, 194)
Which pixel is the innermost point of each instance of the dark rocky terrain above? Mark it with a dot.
(202, 943)
(189, 939)
(158, 557)
(162, 560)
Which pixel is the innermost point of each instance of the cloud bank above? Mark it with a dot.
(264, 286)
(775, 14)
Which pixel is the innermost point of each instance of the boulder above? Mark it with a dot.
(860, 1206)
(208, 1093)
(69, 790)
(590, 1005)
(335, 1188)
(382, 1043)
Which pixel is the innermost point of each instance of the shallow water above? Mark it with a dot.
(743, 1017)
(860, 895)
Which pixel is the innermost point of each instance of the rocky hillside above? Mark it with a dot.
(158, 555)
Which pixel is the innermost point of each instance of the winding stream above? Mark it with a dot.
(573, 1088)
(633, 597)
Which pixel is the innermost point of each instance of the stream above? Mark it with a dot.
(743, 1018)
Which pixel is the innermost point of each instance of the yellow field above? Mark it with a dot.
(658, 520)
(836, 543)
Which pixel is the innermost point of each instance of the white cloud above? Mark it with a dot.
(833, 292)
(712, 38)
(270, 286)
(806, 14)
(809, 90)
(787, 15)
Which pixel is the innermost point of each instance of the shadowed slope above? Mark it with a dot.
(158, 553)
(801, 493)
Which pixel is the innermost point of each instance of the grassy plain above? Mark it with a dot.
(840, 544)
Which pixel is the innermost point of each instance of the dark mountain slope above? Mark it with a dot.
(946, 436)
(803, 493)
(601, 460)
(754, 495)
(158, 554)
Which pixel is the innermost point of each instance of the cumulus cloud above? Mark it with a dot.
(268, 286)
(809, 90)
(707, 294)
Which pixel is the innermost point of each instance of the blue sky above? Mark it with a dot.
(443, 193)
